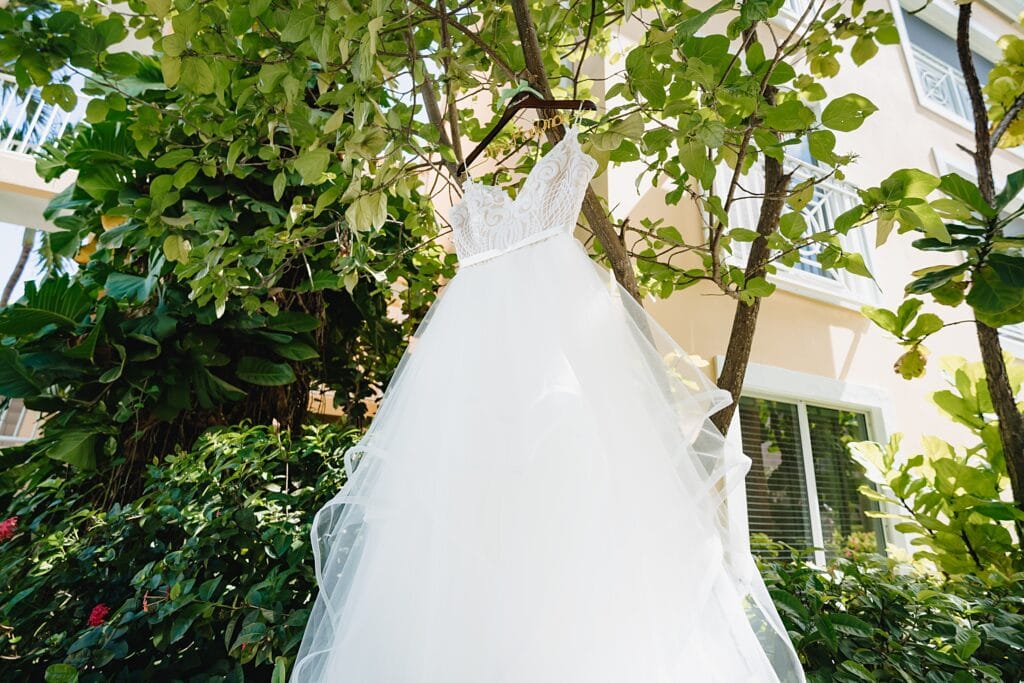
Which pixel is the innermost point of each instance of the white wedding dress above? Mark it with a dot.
(541, 497)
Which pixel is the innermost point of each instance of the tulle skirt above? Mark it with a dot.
(541, 498)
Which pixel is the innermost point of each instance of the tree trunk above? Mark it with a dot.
(28, 240)
(1011, 422)
(597, 217)
(744, 322)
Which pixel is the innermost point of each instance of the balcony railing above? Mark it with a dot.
(793, 8)
(26, 121)
(831, 198)
(941, 83)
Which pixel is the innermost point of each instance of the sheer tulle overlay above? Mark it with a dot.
(541, 497)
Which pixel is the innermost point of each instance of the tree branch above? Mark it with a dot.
(1011, 115)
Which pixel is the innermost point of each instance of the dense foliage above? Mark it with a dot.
(207, 575)
(953, 500)
(869, 619)
(132, 353)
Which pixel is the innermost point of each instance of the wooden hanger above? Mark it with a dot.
(524, 100)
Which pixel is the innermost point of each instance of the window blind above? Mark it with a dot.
(838, 477)
(776, 487)
(778, 491)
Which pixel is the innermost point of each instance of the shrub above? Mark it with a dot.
(955, 502)
(866, 618)
(206, 576)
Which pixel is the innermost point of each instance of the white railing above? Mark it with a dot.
(26, 121)
(941, 83)
(793, 8)
(831, 198)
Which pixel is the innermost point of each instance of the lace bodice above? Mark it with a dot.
(487, 222)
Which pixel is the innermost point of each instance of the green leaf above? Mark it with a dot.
(280, 674)
(296, 350)
(258, 7)
(960, 188)
(909, 182)
(77, 447)
(1009, 268)
(130, 288)
(368, 211)
(847, 113)
(57, 301)
(934, 279)
(911, 364)
(822, 144)
(990, 294)
(863, 49)
(827, 632)
(926, 323)
(16, 380)
(791, 115)
(300, 24)
(906, 312)
(743, 234)
(694, 158)
(160, 8)
(197, 76)
(759, 287)
(293, 321)
(59, 94)
(854, 263)
(689, 27)
(967, 641)
(311, 164)
(1014, 184)
(61, 673)
(884, 318)
(280, 181)
(174, 158)
(263, 372)
(177, 248)
(858, 670)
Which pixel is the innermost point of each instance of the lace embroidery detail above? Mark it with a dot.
(487, 219)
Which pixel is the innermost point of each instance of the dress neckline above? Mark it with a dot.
(571, 133)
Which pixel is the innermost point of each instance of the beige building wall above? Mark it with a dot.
(839, 356)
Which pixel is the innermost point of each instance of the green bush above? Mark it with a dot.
(955, 502)
(866, 618)
(206, 576)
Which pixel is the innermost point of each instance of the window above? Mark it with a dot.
(802, 488)
(17, 423)
(831, 199)
(938, 67)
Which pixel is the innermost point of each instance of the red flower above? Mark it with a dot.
(7, 528)
(98, 614)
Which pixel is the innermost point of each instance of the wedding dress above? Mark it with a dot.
(541, 497)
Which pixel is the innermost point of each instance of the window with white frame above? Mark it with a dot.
(937, 67)
(802, 488)
(831, 199)
(17, 423)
